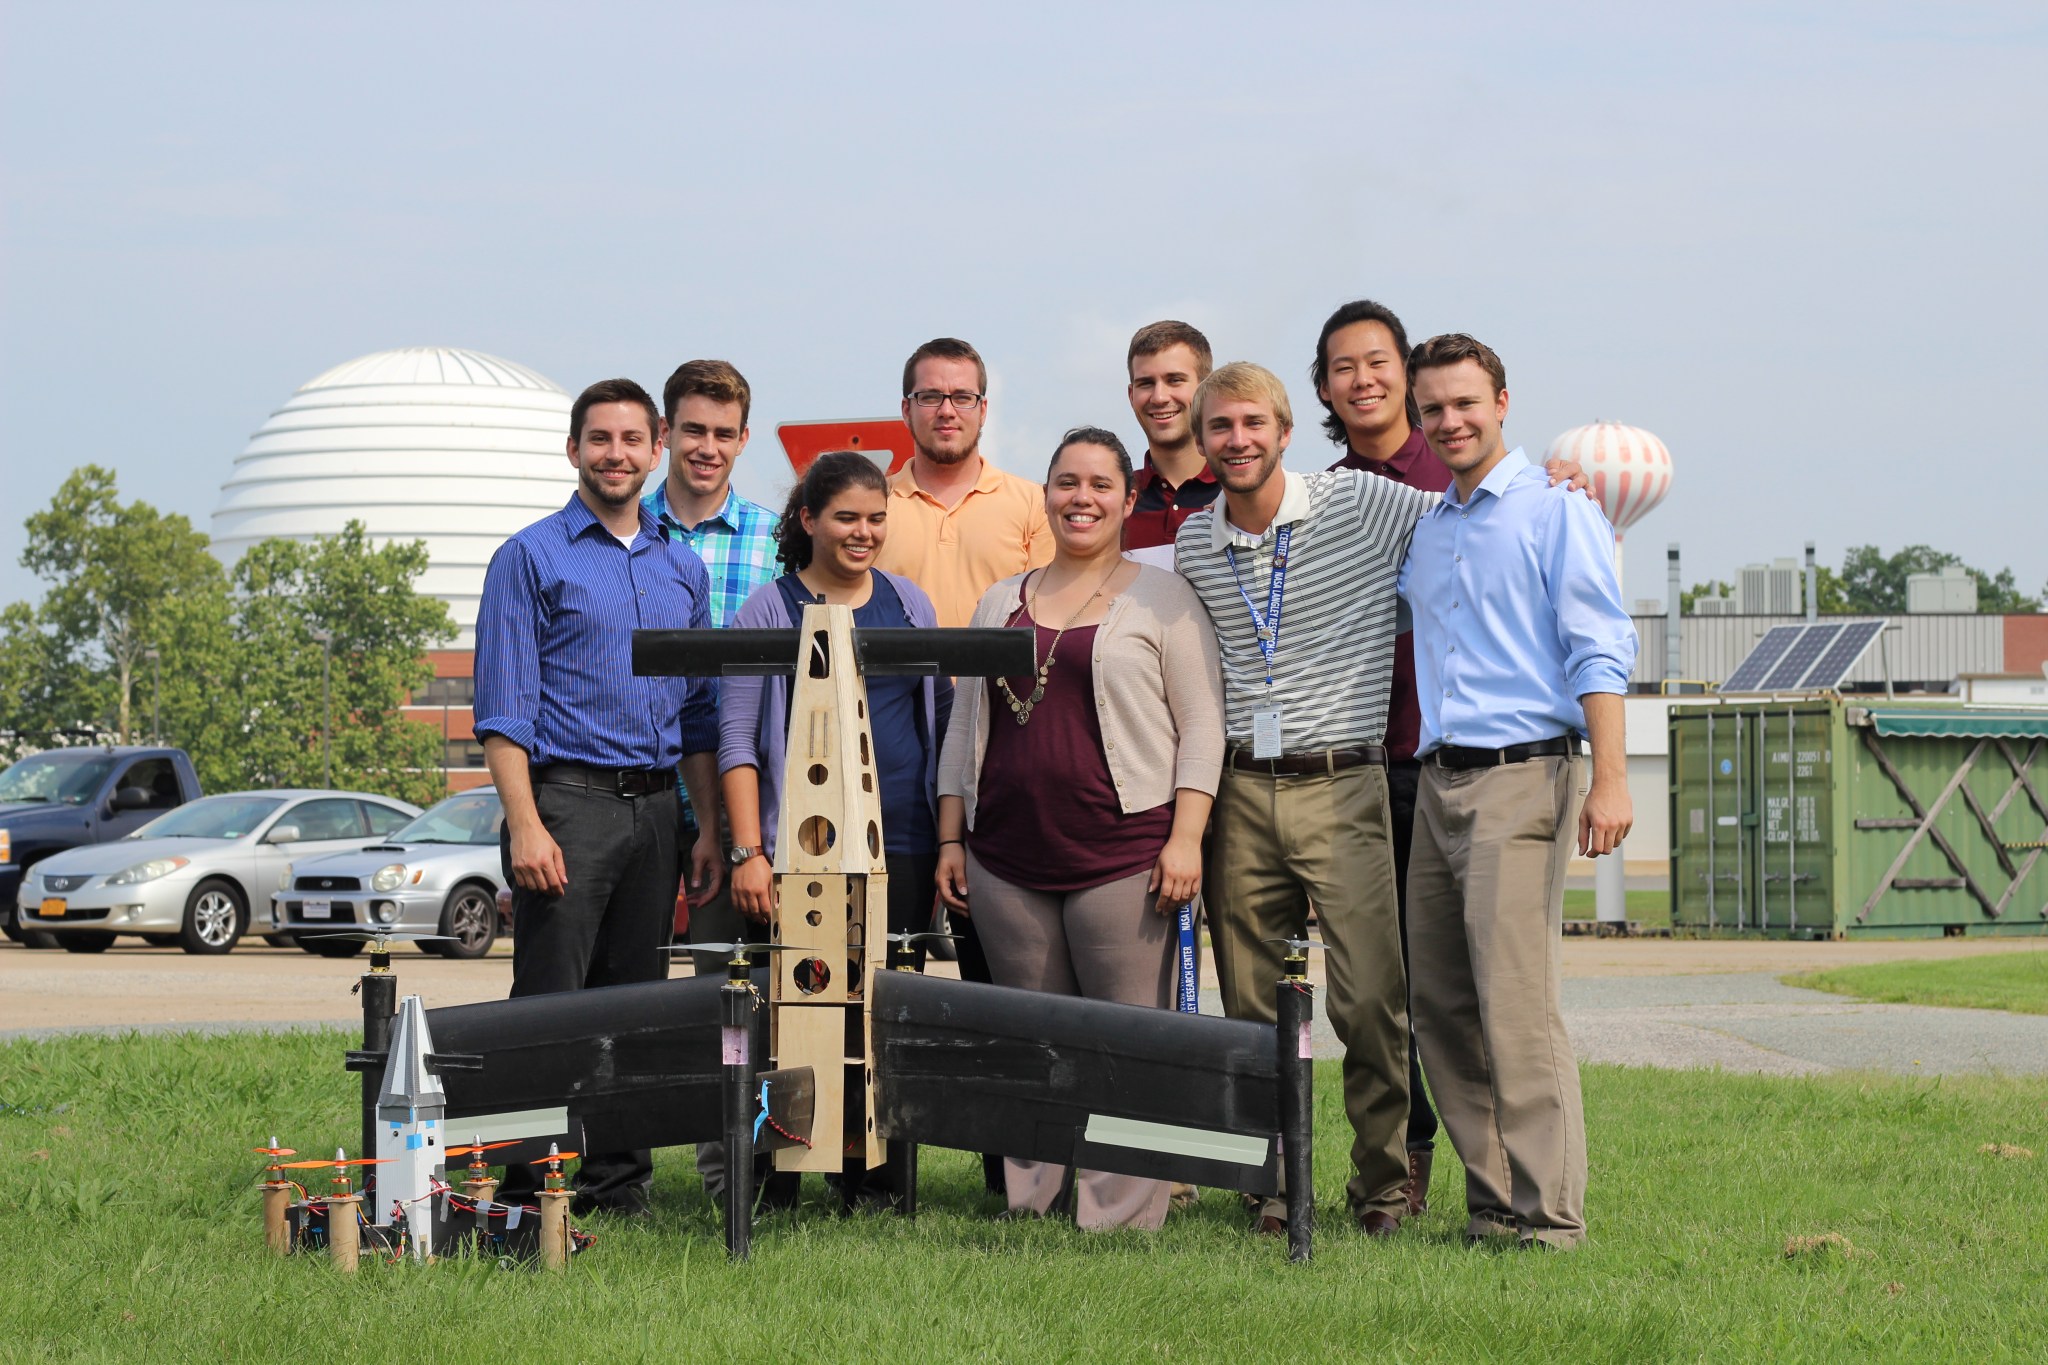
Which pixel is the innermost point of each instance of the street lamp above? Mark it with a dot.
(156, 695)
(326, 640)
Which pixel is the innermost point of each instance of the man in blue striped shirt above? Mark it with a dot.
(584, 754)
(1522, 645)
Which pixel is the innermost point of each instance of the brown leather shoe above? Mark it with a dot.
(1271, 1225)
(1378, 1223)
(1417, 1189)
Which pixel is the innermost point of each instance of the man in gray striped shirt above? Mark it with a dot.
(1298, 573)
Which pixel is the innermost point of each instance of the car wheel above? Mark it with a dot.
(281, 940)
(332, 947)
(470, 918)
(215, 916)
(161, 940)
(85, 943)
(27, 938)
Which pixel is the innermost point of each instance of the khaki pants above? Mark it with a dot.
(1102, 943)
(1485, 926)
(1278, 845)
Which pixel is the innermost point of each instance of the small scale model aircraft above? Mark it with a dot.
(843, 1062)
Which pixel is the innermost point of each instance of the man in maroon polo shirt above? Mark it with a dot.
(1361, 376)
(1165, 362)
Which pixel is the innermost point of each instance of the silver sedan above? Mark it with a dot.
(189, 876)
(440, 873)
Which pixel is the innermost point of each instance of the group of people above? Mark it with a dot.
(1225, 702)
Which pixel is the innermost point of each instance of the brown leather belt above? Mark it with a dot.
(613, 781)
(1312, 761)
(1457, 756)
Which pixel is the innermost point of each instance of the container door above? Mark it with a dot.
(1713, 788)
(1794, 784)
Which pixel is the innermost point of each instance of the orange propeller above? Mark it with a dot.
(316, 1165)
(468, 1148)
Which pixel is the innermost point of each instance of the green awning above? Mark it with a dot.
(1960, 722)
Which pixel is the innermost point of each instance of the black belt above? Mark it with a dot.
(614, 781)
(1457, 756)
(1312, 761)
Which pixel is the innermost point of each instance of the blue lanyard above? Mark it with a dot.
(1267, 623)
(1188, 998)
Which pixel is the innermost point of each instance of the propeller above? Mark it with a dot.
(374, 935)
(738, 948)
(920, 937)
(1299, 945)
(334, 1161)
(469, 1148)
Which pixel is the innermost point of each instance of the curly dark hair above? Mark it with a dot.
(829, 475)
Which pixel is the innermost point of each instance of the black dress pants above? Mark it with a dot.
(609, 927)
(1401, 782)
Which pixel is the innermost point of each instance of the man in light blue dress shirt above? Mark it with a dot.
(1522, 646)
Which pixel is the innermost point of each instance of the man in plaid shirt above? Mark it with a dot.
(706, 403)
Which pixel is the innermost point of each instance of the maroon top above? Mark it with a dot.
(1162, 506)
(1414, 466)
(1046, 815)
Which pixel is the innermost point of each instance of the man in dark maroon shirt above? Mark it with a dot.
(1361, 376)
(1165, 362)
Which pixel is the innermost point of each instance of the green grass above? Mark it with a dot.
(129, 1231)
(1995, 981)
(1651, 909)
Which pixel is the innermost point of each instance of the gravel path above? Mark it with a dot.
(1751, 1023)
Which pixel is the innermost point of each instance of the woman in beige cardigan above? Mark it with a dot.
(1072, 800)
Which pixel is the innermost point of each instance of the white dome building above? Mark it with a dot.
(456, 448)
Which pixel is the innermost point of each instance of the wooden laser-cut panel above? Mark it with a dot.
(815, 1036)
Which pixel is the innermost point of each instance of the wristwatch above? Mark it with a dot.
(741, 853)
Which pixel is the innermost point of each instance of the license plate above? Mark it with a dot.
(317, 909)
(51, 909)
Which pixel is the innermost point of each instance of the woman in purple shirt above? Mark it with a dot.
(1073, 799)
(831, 532)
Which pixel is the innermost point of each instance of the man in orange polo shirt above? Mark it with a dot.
(957, 524)
(957, 527)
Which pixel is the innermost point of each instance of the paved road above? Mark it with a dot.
(1641, 1002)
(1751, 1023)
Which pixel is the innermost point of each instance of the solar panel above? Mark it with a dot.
(1813, 642)
(1749, 674)
(1841, 656)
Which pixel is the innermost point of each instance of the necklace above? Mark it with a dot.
(1022, 707)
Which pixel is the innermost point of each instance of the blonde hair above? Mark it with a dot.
(1246, 382)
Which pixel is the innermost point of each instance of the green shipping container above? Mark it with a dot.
(1822, 818)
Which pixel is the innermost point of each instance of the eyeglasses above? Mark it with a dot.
(931, 398)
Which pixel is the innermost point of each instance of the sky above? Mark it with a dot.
(1801, 243)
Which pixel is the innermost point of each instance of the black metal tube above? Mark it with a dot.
(903, 1176)
(1296, 1007)
(736, 1018)
(380, 1004)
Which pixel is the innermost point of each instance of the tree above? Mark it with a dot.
(382, 629)
(1874, 582)
(44, 689)
(1713, 587)
(113, 570)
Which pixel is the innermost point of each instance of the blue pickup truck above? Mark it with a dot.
(62, 798)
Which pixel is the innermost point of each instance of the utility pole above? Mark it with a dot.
(156, 694)
(326, 639)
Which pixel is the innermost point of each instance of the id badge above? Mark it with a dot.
(1266, 733)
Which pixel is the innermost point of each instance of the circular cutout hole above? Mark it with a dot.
(818, 773)
(816, 834)
(815, 918)
(812, 975)
(814, 890)
(874, 840)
